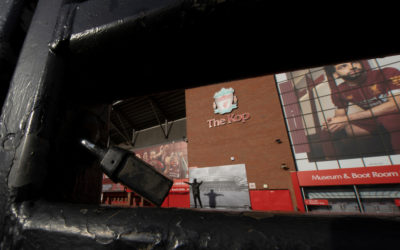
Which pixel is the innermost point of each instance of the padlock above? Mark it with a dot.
(123, 166)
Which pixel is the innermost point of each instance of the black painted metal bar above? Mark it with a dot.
(26, 119)
(29, 109)
(45, 225)
(10, 18)
(359, 203)
(9, 14)
(30, 220)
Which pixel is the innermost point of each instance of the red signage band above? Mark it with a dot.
(315, 202)
(397, 202)
(180, 186)
(350, 176)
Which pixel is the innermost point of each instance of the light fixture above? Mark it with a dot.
(284, 166)
(116, 102)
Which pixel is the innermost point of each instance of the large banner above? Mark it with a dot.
(169, 159)
(344, 115)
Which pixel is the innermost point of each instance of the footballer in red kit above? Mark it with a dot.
(376, 92)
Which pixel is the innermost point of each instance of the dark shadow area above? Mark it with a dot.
(342, 238)
(16, 18)
(212, 198)
(340, 145)
(190, 46)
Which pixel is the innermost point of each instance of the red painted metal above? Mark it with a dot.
(315, 202)
(181, 200)
(297, 192)
(271, 200)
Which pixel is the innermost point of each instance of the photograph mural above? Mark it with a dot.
(220, 187)
(344, 115)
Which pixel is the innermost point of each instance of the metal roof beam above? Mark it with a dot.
(157, 110)
(126, 138)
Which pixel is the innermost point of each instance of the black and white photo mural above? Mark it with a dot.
(220, 187)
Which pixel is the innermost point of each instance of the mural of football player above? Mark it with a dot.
(376, 92)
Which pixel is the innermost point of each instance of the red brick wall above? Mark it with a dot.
(252, 143)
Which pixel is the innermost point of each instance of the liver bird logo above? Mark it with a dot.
(224, 101)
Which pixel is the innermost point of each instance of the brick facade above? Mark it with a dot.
(252, 142)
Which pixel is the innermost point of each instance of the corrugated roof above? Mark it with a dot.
(138, 113)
